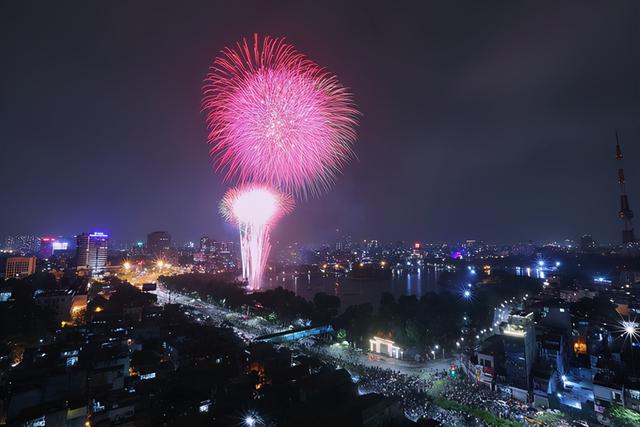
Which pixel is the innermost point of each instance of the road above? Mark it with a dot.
(249, 328)
(245, 328)
(422, 370)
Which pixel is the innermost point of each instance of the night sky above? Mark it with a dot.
(486, 120)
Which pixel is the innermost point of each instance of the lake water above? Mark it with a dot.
(351, 291)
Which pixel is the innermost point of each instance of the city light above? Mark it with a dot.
(251, 419)
(629, 329)
(467, 294)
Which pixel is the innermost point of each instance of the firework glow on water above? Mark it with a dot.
(278, 118)
(255, 209)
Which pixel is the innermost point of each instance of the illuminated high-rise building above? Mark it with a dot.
(519, 338)
(46, 247)
(158, 242)
(92, 251)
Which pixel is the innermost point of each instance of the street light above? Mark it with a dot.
(251, 419)
(630, 328)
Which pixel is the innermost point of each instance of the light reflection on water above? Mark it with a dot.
(351, 291)
(537, 273)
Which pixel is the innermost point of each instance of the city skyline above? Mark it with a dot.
(34, 243)
(535, 152)
(297, 213)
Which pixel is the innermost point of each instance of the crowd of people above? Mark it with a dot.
(418, 391)
(470, 394)
(411, 389)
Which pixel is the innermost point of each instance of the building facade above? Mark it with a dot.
(92, 251)
(158, 242)
(46, 247)
(519, 338)
(20, 267)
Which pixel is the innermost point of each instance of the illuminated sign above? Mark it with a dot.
(60, 246)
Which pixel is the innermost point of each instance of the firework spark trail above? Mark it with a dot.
(276, 117)
(255, 209)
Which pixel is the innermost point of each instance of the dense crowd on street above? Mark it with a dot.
(416, 391)
(411, 389)
(470, 394)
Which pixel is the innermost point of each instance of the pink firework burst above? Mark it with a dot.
(255, 208)
(276, 117)
(255, 203)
